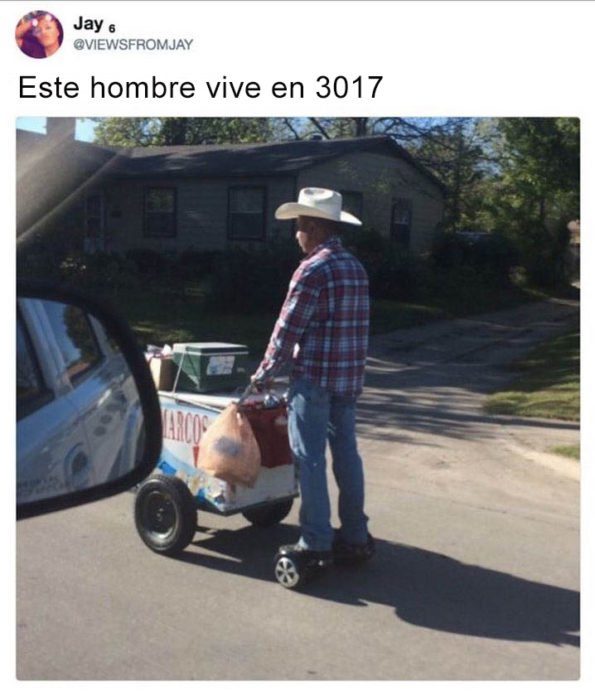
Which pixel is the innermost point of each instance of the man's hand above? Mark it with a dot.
(261, 384)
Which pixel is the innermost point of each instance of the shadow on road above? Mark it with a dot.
(425, 588)
(433, 380)
(435, 401)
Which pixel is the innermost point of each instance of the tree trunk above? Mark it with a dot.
(542, 211)
(175, 130)
(361, 126)
(456, 190)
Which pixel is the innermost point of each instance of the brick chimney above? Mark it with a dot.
(60, 128)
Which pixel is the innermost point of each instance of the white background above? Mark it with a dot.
(437, 59)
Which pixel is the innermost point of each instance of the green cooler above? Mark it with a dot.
(210, 367)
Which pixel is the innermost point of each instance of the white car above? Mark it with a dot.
(80, 421)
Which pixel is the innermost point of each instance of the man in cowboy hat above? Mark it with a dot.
(323, 327)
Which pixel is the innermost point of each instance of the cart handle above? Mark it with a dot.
(246, 393)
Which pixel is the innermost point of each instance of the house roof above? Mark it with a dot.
(252, 159)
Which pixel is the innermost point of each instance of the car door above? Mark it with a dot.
(97, 377)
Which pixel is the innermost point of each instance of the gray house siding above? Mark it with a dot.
(202, 212)
(382, 186)
(382, 179)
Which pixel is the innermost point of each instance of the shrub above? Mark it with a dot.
(149, 262)
(492, 256)
(193, 265)
(544, 255)
(394, 273)
(248, 280)
(400, 275)
(37, 264)
(447, 251)
(99, 272)
(370, 247)
(541, 248)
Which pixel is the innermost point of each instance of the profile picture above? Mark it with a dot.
(39, 34)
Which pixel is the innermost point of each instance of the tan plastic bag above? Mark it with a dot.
(228, 450)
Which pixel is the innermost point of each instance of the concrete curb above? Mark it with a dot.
(565, 466)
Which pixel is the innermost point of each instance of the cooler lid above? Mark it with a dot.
(210, 348)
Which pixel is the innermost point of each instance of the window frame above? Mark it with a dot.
(77, 378)
(358, 193)
(230, 213)
(25, 407)
(146, 213)
(404, 240)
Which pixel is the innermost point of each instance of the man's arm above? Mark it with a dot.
(294, 318)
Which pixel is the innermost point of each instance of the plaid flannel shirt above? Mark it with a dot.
(323, 324)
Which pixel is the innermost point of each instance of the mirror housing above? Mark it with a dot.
(148, 427)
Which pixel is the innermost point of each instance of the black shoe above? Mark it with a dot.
(347, 553)
(306, 557)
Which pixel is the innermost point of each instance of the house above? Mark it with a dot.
(177, 198)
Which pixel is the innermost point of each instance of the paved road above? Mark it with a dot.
(476, 575)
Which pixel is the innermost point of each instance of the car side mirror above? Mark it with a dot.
(88, 417)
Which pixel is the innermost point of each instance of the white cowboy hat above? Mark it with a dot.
(319, 203)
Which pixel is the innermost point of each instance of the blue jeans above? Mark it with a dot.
(315, 415)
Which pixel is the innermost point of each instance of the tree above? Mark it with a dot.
(536, 191)
(178, 131)
(540, 161)
(457, 155)
(126, 132)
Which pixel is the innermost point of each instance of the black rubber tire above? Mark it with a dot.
(268, 515)
(165, 514)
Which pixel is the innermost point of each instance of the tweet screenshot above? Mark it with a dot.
(296, 295)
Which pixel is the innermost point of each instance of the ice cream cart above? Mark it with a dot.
(194, 385)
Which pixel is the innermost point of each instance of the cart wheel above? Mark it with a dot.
(288, 572)
(165, 514)
(267, 515)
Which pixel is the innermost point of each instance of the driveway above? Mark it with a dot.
(476, 574)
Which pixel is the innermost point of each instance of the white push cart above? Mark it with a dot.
(167, 503)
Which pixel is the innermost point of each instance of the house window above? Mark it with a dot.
(160, 212)
(401, 222)
(353, 202)
(246, 220)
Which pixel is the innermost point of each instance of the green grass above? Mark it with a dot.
(549, 384)
(463, 302)
(160, 317)
(160, 320)
(572, 451)
(387, 315)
